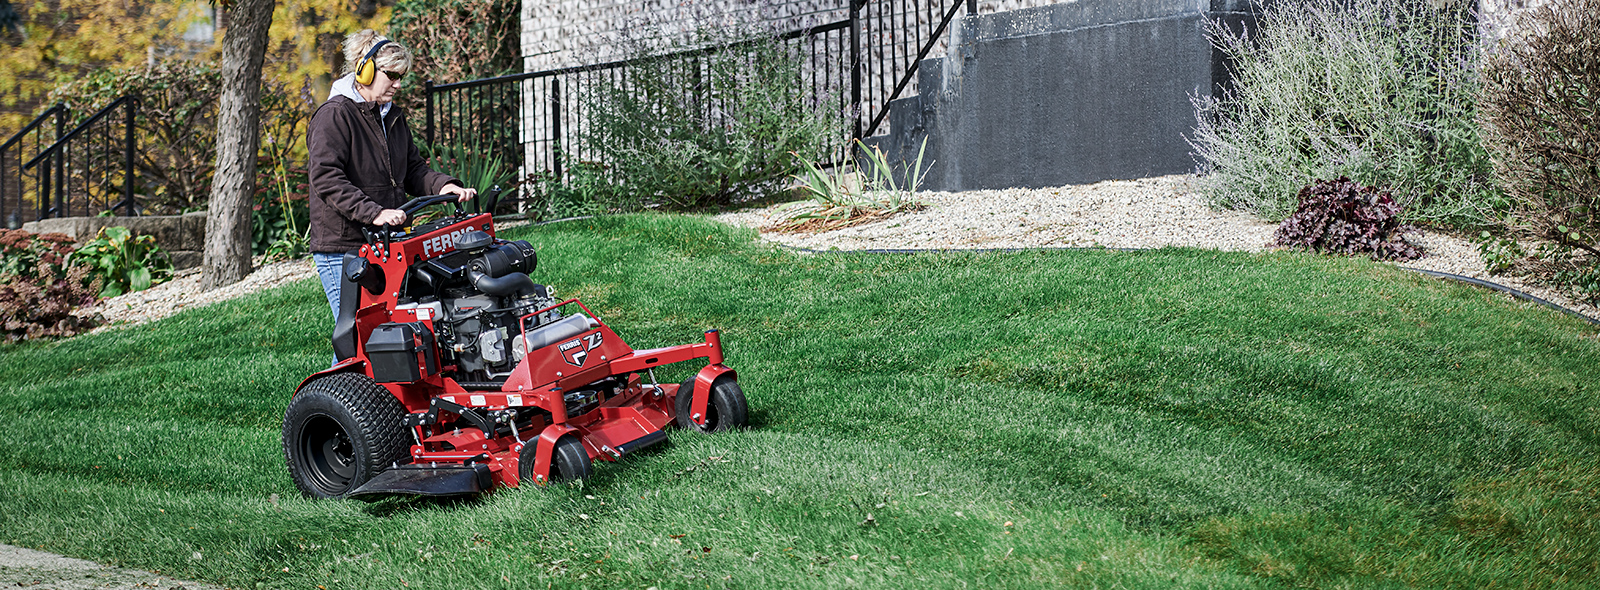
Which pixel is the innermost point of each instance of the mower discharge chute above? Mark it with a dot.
(457, 372)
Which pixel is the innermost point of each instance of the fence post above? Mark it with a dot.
(46, 172)
(555, 128)
(127, 157)
(427, 91)
(855, 68)
(59, 158)
(972, 7)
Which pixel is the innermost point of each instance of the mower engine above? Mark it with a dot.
(485, 291)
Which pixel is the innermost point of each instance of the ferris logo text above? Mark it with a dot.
(444, 242)
(577, 350)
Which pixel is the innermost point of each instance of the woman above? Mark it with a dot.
(363, 160)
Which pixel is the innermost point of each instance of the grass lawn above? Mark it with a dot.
(1173, 418)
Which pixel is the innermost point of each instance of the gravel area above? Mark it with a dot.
(1143, 213)
(183, 292)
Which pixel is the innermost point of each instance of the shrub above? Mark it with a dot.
(175, 122)
(123, 262)
(1382, 91)
(707, 128)
(583, 191)
(456, 41)
(40, 287)
(1541, 114)
(1343, 217)
(459, 40)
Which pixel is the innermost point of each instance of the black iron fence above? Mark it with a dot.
(850, 69)
(20, 199)
(82, 172)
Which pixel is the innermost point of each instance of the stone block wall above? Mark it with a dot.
(182, 237)
(564, 33)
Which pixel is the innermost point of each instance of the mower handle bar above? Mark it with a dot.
(423, 202)
(410, 207)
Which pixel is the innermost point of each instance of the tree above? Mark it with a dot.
(226, 258)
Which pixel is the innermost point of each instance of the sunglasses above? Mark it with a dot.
(394, 76)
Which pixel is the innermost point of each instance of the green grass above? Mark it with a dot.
(1173, 418)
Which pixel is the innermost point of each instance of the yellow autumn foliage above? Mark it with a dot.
(65, 39)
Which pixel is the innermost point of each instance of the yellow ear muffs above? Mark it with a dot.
(367, 68)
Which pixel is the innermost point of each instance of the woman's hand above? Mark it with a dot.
(393, 217)
(462, 193)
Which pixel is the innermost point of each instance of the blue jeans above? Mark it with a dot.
(329, 266)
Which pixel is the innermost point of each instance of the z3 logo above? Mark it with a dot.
(577, 350)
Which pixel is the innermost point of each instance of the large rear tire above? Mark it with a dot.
(568, 461)
(341, 430)
(725, 410)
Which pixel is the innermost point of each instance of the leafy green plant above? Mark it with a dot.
(1500, 254)
(41, 287)
(703, 128)
(1583, 282)
(125, 262)
(1382, 91)
(583, 191)
(851, 195)
(1343, 217)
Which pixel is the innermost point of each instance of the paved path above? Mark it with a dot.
(26, 568)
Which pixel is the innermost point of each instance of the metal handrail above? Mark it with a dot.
(46, 152)
(59, 108)
(933, 40)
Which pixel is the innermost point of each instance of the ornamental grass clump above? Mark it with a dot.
(852, 195)
(1344, 217)
(40, 286)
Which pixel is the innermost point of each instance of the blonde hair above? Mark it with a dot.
(393, 56)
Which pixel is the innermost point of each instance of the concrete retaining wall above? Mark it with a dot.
(1070, 93)
(183, 237)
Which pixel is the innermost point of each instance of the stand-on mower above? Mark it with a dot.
(456, 372)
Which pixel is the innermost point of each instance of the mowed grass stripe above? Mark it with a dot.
(1193, 417)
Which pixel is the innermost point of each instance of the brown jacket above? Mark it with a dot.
(356, 172)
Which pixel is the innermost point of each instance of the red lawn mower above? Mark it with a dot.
(456, 372)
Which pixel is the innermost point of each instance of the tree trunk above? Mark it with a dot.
(244, 46)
